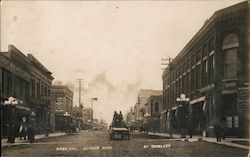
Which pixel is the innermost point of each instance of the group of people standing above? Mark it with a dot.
(117, 119)
(23, 130)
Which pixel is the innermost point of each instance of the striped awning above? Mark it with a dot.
(197, 100)
(22, 107)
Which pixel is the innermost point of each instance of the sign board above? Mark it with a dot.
(59, 104)
(243, 98)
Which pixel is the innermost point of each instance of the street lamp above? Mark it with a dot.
(182, 118)
(147, 115)
(66, 114)
(92, 101)
(182, 98)
(10, 103)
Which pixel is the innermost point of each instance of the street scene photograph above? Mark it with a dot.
(122, 78)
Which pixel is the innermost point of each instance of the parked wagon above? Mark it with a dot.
(119, 133)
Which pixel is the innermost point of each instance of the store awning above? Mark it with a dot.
(22, 107)
(162, 112)
(174, 108)
(197, 100)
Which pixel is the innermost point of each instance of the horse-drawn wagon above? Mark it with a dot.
(118, 128)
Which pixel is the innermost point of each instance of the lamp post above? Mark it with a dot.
(147, 115)
(183, 115)
(92, 117)
(66, 114)
(11, 102)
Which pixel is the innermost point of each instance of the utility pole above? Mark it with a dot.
(164, 62)
(80, 90)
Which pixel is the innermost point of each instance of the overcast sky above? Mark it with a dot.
(115, 46)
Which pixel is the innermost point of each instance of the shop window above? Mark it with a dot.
(236, 121)
(229, 122)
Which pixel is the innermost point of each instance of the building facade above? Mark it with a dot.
(62, 104)
(140, 106)
(17, 73)
(213, 71)
(40, 88)
(153, 112)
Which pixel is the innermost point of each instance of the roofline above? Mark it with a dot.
(202, 30)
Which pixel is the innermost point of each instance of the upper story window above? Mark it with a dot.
(184, 67)
(198, 55)
(188, 64)
(211, 44)
(193, 60)
(204, 51)
(230, 41)
(230, 49)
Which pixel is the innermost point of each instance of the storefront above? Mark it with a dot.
(197, 114)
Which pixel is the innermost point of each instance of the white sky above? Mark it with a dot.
(115, 46)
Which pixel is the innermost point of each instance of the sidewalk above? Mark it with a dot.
(19, 142)
(228, 141)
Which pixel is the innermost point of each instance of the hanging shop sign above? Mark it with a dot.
(207, 88)
(59, 105)
(243, 98)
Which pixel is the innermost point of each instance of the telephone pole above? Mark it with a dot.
(80, 90)
(164, 62)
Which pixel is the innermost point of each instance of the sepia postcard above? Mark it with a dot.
(125, 78)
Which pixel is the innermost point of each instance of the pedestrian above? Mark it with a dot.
(203, 124)
(23, 129)
(120, 118)
(47, 129)
(224, 128)
(115, 119)
(190, 125)
(11, 133)
(217, 130)
(31, 132)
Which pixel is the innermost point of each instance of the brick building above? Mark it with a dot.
(212, 71)
(153, 112)
(27, 80)
(140, 106)
(62, 104)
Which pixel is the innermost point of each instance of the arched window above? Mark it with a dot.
(230, 49)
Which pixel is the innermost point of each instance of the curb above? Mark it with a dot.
(195, 139)
(5, 144)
